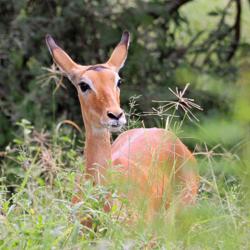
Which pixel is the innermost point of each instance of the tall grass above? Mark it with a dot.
(38, 180)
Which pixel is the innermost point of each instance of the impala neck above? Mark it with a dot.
(97, 152)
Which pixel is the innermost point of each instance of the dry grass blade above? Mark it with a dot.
(184, 103)
(69, 122)
(52, 74)
(214, 152)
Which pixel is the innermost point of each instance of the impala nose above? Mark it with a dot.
(114, 115)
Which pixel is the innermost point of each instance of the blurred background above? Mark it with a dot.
(204, 43)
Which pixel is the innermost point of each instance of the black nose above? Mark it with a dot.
(114, 116)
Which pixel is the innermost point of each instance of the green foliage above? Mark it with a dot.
(165, 40)
(170, 47)
(38, 181)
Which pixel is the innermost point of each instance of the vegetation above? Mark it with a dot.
(205, 43)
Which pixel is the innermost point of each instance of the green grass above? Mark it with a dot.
(39, 214)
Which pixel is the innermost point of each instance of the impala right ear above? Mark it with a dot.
(119, 55)
(60, 57)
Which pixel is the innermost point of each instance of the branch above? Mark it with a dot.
(174, 5)
(237, 31)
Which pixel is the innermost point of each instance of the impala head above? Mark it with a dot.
(98, 86)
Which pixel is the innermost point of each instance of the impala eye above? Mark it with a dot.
(119, 83)
(84, 86)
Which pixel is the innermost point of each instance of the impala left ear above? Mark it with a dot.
(119, 55)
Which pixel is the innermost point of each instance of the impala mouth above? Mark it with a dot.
(115, 128)
(113, 125)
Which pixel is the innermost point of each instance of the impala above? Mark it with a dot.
(152, 158)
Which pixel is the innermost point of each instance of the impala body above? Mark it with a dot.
(151, 158)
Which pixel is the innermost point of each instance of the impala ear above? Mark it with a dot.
(119, 55)
(60, 57)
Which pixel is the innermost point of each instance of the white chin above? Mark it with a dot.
(115, 129)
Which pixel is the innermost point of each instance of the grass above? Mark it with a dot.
(38, 180)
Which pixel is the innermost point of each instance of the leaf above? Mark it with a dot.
(213, 13)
